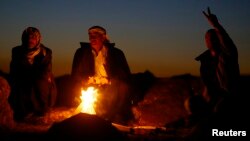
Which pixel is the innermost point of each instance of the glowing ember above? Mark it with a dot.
(88, 98)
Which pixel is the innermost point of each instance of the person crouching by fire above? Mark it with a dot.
(100, 64)
(33, 89)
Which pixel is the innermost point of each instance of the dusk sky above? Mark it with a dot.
(162, 36)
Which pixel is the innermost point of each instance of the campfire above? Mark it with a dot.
(88, 101)
(90, 96)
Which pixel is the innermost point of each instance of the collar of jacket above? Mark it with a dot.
(86, 44)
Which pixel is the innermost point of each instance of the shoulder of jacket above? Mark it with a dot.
(45, 50)
(117, 51)
(84, 45)
(203, 55)
(17, 48)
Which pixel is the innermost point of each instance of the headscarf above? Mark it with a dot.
(99, 30)
(30, 31)
(31, 53)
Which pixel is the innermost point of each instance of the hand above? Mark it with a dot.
(212, 19)
(98, 80)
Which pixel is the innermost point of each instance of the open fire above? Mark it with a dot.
(88, 101)
(89, 97)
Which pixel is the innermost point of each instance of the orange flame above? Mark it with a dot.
(88, 101)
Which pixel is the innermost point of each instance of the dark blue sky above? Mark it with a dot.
(162, 36)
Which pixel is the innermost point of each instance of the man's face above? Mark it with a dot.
(96, 40)
(32, 41)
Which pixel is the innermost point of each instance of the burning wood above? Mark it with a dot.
(88, 101)
(89, 97)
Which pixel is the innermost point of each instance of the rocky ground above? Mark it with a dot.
(158, 114)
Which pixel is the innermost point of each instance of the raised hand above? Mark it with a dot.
(212, 19)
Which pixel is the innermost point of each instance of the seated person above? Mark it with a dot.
(33, 90)
(101, 64)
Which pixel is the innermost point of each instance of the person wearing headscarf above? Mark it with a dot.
(33, 90)
(101, 63)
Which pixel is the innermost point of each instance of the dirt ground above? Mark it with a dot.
(162, 105)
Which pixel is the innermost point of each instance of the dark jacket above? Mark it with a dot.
(33, 86)
(83, 63)
(223, 71)
(20, 68)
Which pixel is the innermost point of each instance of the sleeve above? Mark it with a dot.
(227, 45)
(76, 69)
(44, 68)
(122, 70)
(15, 64)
